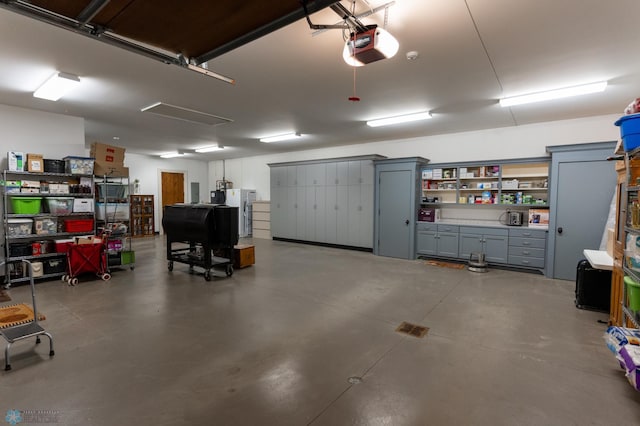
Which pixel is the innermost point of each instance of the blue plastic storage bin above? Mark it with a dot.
(629, 131)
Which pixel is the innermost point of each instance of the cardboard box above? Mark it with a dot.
(539, 218)
(107, 154)
(35, 163)
(30, 184)
(87, 240)
(111, 170)
(15, 161)
(244, 255)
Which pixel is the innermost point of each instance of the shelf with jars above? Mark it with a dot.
(517, 183)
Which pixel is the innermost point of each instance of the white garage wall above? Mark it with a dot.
(493, 144)
(52, 135)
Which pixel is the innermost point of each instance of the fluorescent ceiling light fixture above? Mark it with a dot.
(281, 137)
(209, 148)
(399, 119)
(171, 155)
(57, 86)
(369, 46)
(554, 94)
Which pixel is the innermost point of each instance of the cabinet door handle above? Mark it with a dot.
(525, 253)
(526, 262)
(526, 243)
(526, 234)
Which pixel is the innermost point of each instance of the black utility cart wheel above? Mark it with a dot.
(170, 265)
(229, 270)
(207, 275)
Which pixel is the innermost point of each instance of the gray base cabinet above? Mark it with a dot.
(324, 201)
(527, 247)
(493, 242)
(519, 247)
(437, 240)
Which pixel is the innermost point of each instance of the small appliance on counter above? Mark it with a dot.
(426, 214)
(514, 218)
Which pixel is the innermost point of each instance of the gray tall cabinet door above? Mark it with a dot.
(395, 213)
(290, 229)
(315, 213)
(584, 194)
(581, 185)
(354, 212)
(301, 213)
(279, 203)
(342, 215)
(331, 214)
(365, 237)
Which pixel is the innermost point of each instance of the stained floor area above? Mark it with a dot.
(284, 342)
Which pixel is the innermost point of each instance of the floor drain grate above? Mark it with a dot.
(412, 329)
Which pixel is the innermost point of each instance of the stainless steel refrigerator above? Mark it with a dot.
(243, 199)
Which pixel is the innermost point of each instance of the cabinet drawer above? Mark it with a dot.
(526, 252)
(447, 228)
(483, 231)
(531, 262)
(527, 242)
(528, 233)
(426, 226)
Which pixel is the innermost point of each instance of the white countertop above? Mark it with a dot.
(599, 259)
(475, 222)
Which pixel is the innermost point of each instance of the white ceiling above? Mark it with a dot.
(470, 54)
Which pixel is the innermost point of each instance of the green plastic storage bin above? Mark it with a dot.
(26, 205)
(633, 293)
(128, 257)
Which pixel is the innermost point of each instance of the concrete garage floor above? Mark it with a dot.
(277, 343)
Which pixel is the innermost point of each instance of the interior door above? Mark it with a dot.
(582, 208)
(172, 188)
(394, 192)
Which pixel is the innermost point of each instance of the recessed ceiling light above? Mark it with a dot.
(554, 94)
(209, 148)
(399, 119)
(279, 138)
(116, 138)
(57, 86)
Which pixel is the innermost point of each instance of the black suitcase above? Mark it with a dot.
(593, 287)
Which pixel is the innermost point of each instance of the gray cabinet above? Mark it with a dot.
(527, 247)
(448, 240)
(360, 215)
(316, 175)
(315, 213)
(324, 201)
(493, 242)
(520, 247)
(426, 242)
(437, 239)
(279, 204)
